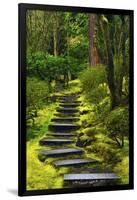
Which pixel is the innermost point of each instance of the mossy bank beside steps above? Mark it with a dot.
(60, 145)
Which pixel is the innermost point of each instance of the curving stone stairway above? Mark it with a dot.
(63, 135)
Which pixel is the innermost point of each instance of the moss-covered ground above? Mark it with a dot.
(95, 143)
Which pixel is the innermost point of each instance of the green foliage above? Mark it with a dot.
(58, 52)
(76, 24)
(103, 109)
(36, 93)
(117, 120)
(122, 169)
(74, 66)
(79, 51)
(40, 175)
(117, 123)
(41, 122)
(93, 131)
(35, 62)
(55, 66)
(48, 67)
(93, 83)
(45, 66)
(44, 29)
(93, 77)
(98, 94)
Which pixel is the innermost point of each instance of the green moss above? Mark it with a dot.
(122, 169)
(84, 138)
(73, 87)
(40, 175)
(41, 122)
(58, 183)
(96, 145)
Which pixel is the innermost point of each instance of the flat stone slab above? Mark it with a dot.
(65, 119)
(55, 141)
(73, 162)
(72, 101)
(70, 95)
(62, 134)
(63, 127)
(69, 104)
(90, 177)
(68, 100)
(59, 152)
(68, 110)
(66, 114)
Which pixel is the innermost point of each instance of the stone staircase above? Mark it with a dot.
(62, 138)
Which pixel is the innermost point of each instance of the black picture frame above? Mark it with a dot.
(22, 8)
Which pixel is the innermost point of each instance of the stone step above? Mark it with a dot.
(59, 152)
(90, 177)
(73, 162)
(54, 141)
(63, 127)
(62, 134)
(67, 100)
(72, 101)
(69, 96)
(67, 110)
(63, 119)
(65, 114)
(69, 105)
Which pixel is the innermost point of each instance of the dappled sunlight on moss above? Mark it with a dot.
(40, 175)
(102, 147)
(73, 87)
(41, 122)
(93, 135)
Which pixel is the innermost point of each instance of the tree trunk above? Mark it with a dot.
(55, 42)
(55, 34)
(123, 51)
(91, 39)
(110, 64)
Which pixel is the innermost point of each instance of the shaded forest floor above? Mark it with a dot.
(91, 137)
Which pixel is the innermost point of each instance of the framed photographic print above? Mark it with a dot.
(75, 99)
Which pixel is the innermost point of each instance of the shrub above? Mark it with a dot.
(117, 124)
(79, 51)
(49, 67)
(35, 62)
(91, 78)
(97, 94)
(103, 108)
(75, 67)
(36, 91)
(93, 83)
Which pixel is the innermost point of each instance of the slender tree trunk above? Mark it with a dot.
(35, 32)
(55, 42)
(91, 39)
(123, 50)
(55, 34)
(110, 64)
(67, 44)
